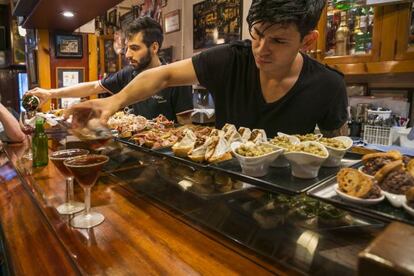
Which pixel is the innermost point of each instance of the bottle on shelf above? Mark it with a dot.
(342, 37)
(359, 37)
(343, 4)
(39, 145)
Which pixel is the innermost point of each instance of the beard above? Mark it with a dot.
(143, 63)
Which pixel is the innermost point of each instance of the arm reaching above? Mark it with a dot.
(84, 89)
(11, 126)
(143, 86)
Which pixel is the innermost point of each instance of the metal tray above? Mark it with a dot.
(281, 179)
(383, 210)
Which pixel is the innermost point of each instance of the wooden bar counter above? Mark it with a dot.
(154, 227)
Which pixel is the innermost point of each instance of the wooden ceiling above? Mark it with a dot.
(47, 14)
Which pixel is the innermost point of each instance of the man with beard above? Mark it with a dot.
(144, 39)
(264, 83)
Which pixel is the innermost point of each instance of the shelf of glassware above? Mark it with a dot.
(405, 37)
(349, 33)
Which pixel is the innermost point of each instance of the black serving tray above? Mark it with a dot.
(383, 210)
(281, 179)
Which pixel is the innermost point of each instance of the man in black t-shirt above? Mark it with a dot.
(144, 39)
(266, 83)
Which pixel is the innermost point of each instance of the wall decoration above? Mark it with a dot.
(68, 46)
(172, 22)
(68, 77)
(18, 56)
(152, 8)
(126, 19)
(112, 19)
(31, 64)
(110, 56)
(216, 22)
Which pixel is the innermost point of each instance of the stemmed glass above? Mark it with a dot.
(58, 157)
(86, 170)
(28, 130)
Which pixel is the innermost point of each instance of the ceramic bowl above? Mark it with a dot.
(255, 166)
(408, 208)
(281, 161)
(357, 200)
(396, 200)
(306, 165)
(336, 155)
(360, 169)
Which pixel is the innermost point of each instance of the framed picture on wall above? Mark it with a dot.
(216, 23)
(67, 77)
(172, 22)
(68, 46)
(126, 19)
(32, 67)
(112, 19)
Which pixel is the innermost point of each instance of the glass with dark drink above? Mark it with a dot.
(57, 157)
(86, 170)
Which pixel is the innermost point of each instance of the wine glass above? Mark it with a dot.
(28, 130)
(58, 157)
(86, 170)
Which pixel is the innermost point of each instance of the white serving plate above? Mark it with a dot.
(395, 199)
(356, 200)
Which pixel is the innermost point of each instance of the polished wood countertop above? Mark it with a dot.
(136, 238)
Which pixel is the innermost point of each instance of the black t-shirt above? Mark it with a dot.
(229, 72)
(169, 102)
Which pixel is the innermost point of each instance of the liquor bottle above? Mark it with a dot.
(343, 4)
(39, 145)
(30, 103)
(359, 37)
(342, 37)
(370, 28)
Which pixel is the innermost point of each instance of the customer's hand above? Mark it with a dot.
(43, 94)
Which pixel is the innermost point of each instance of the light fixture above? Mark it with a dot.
(68, 14)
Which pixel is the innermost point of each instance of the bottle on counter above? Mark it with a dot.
(39, 145)
(30, 103)
(342, 37)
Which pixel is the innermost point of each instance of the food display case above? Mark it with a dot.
(177, 209)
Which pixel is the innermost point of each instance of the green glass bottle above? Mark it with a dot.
(39, 145)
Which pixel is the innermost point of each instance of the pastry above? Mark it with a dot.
(354, 183)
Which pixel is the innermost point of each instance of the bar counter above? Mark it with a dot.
(153, 226)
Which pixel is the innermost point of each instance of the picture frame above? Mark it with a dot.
(126, 19)
(212, 26)
(31, 61)
(68, 76)
(68, 46)
(112, 18)
(172, 22)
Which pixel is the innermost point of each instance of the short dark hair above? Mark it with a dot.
(302, 13)
(151, 30)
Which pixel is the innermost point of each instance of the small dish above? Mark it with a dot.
(255, 166)
(408, 208)
(281, 161)
(336, 155)
(306, 165)
(356, 200)
(360, 169)
(395, 199)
